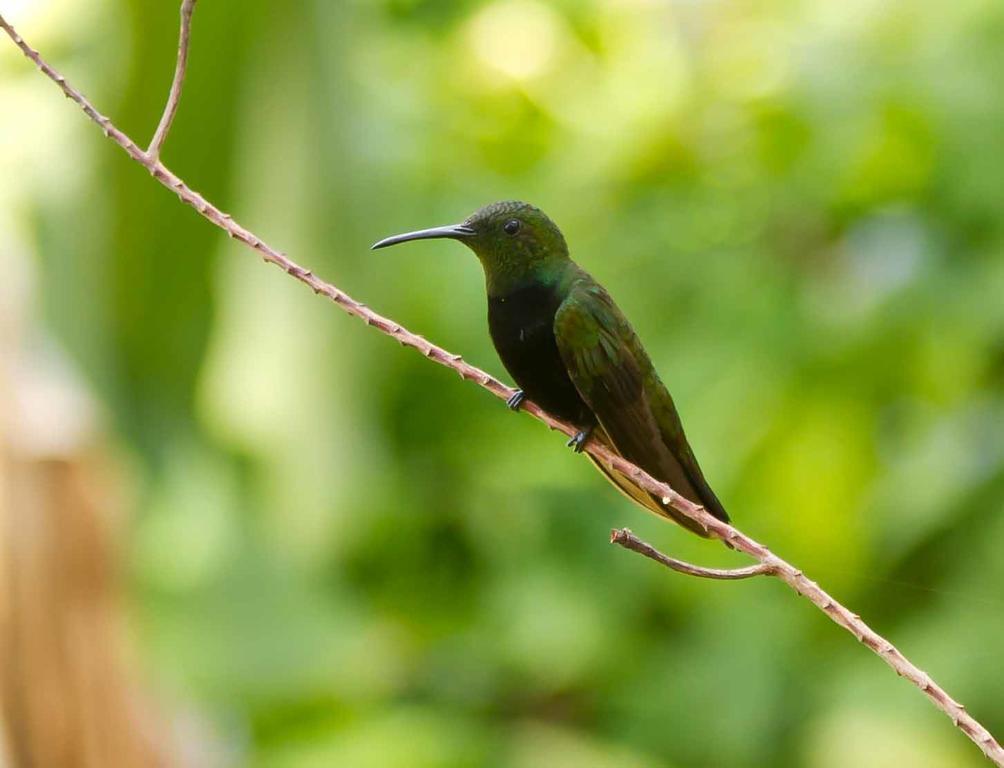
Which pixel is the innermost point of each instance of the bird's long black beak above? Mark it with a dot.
(453, 232)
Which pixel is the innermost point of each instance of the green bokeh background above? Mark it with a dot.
(341, 554)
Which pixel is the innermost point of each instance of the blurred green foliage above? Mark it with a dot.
(342, 555)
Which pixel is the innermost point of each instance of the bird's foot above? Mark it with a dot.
(516, 400)
(578, 441)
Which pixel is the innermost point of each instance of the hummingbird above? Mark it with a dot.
(572, 351)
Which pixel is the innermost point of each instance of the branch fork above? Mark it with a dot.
(625, 538)
(174, 95)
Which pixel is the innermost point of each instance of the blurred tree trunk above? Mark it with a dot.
(67, 694)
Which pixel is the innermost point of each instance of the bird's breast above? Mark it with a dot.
(522, 319)
(522, 329)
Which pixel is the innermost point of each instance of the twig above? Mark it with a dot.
(174, 97)
(732, 537)
(625, 538)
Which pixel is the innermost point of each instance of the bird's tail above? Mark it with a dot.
(650, 501)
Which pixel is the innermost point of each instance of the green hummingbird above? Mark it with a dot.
(572, 351)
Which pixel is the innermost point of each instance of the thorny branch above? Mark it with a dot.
(731, 536)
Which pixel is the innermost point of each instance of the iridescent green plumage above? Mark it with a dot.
(572, 351)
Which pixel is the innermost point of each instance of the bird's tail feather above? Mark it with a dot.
(639, 496)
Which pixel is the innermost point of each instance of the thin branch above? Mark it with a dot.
(732, 537)
(160, 135)
(625, 538)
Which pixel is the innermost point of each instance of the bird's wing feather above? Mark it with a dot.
(614, 376)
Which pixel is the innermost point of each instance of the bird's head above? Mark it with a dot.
(513, 240)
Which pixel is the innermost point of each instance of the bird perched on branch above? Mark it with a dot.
(572, 351)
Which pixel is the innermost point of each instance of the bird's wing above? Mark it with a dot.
(612, 373)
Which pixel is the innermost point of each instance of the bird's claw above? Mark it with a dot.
(515, 400)
(578, 441)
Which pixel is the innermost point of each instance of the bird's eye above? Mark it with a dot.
(511, 227)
